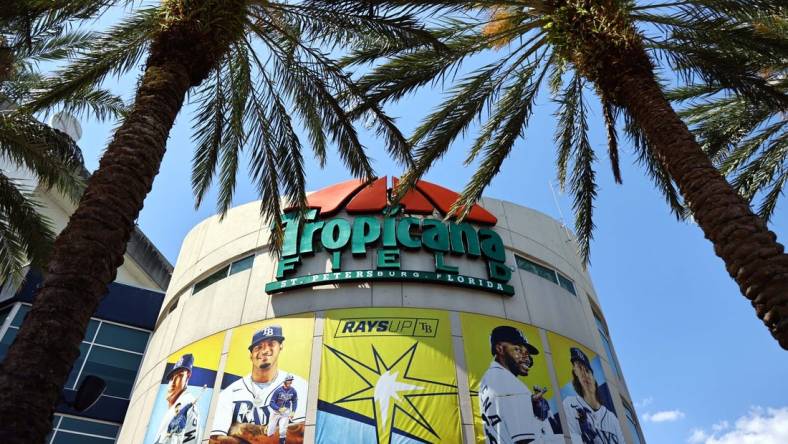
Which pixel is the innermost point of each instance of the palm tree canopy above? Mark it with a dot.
(746, 136)
(535, 50)
(35, 31)
(256, 69)
(277, 74)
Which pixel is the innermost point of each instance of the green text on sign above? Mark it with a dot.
(389, 275)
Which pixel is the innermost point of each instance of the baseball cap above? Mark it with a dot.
(289, 378)
(184, 362)
(577, 355)
(506, 333)
(270, 332)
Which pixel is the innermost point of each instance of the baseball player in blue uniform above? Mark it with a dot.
(284, 402)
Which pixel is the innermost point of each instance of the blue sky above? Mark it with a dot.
(695, 357)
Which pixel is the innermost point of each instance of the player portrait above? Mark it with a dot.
(181, 408)
(263, 399)
(587, 403)
(509, 380)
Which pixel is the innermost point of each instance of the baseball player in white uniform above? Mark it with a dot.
(180, 423)
(506, 404)
(590, 422)
(244, 410)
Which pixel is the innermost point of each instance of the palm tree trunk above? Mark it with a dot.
(88, 252)
(752, 255)
(6, 60)
(621, 69)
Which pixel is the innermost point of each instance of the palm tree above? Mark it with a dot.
(746, 137)
(611, 47)
(33, 32)
(246, 62)
(25, 234)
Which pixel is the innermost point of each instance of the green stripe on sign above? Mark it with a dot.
(389, 275)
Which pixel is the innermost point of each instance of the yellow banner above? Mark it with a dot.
(387, 375)
(181, 407)
(587, 402)
(511, 395)
(266, 382)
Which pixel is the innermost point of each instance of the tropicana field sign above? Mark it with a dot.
(389, 232)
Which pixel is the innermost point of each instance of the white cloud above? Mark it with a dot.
(758, 426)
(664, 416)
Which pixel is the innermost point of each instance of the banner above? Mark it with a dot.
(511, 394)
(265, 383)
(387, 376)
(181, 408)
(587, 403)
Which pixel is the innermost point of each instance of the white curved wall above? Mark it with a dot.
(241, 298)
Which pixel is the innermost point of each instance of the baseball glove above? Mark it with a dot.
(251, 434)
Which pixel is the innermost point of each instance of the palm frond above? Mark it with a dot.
(115, 52)
(760, 172)
(208, 126)
(654, 168)
(508, 123)
(569, 102)
(52, 156)
(583, 185)
(25, 234)
(610, 112)
(771, 198)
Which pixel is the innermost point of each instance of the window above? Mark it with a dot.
(235, 267)
(20, 316)
(18, 311)
(600, 326)
(566, 283)
(110, 351)
(68, 430)
(632, 424)
(242, 264)
(546, 273)
(212, 279)
(4, 314)
(536, 269)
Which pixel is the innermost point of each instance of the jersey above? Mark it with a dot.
(286, 398)
(182, 427)
(236, 403)
(506, 409)
(589, 426)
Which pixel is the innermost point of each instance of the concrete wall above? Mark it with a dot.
(137, 271)
(241, 298)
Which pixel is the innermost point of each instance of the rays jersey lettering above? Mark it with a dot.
(506, 409)
(589, 426)
(236, 404)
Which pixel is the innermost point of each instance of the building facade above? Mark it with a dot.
(381, 324)
(118, 332)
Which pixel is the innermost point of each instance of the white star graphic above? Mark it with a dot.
(387, 388)
(388, 394)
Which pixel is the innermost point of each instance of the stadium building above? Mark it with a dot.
(381, 324)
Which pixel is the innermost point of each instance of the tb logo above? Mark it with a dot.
(268, 331)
